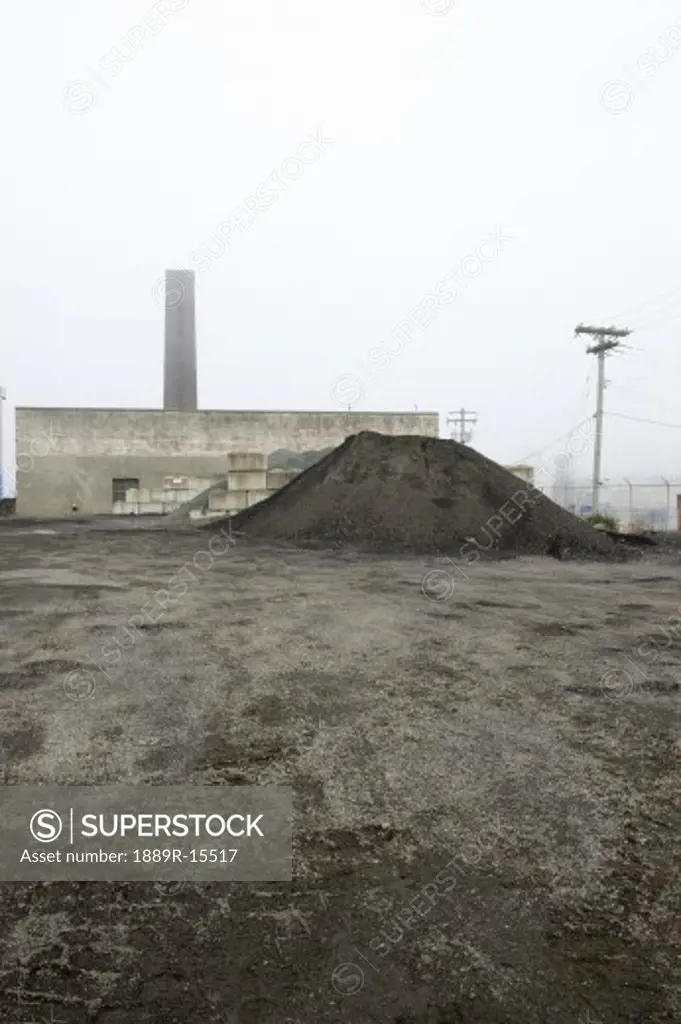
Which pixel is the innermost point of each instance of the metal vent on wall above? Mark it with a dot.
(176, 483)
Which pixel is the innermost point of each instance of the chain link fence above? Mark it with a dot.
(635, 504)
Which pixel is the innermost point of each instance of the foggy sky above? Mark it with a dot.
(136, 129)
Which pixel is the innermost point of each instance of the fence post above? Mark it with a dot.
(666, 483)
(631, 503)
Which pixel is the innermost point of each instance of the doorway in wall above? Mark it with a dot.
(120, 486)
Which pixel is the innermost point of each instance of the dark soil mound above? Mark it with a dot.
(417, 494)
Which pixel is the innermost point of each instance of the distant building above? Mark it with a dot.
(525, 473)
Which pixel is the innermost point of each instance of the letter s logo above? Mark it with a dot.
(46, 826)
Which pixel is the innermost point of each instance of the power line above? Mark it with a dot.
(631, 311)
(656, 320)
(638, 419)
(586, 391)
(538, 451)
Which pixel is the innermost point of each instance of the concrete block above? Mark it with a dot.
(119, 508)
(244, 462)
(199, 513)
(196, 484)
(179, 497)
(218, 501)
(277, 478)
(157, 495)
(237, 500)
(151, 508)
(251, 480)
(255, 496)
(143, 495)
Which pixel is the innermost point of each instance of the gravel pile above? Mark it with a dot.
(417, 494)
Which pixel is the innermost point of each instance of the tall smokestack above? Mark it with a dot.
(179, 371)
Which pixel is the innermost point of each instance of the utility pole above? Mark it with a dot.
(461, 421)
(606, 339)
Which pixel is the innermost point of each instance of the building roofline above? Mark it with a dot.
(260, 412)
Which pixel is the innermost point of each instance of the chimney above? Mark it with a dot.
(179, 370)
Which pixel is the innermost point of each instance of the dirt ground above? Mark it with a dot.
(510, 723)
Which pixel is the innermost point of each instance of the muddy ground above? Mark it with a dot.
(508, 723)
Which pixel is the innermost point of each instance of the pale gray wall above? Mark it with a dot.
(69, 456)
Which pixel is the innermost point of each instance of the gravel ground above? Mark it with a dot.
(485, 761)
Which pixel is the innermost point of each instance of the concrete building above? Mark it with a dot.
(91, 458)
(525, 473)
(104, 461)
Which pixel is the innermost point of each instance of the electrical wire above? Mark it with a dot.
(638, 419)
(538, 451)
(655, 321)
(586, 392)
(631, 310)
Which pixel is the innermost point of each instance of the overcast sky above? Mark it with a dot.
(138, 128)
